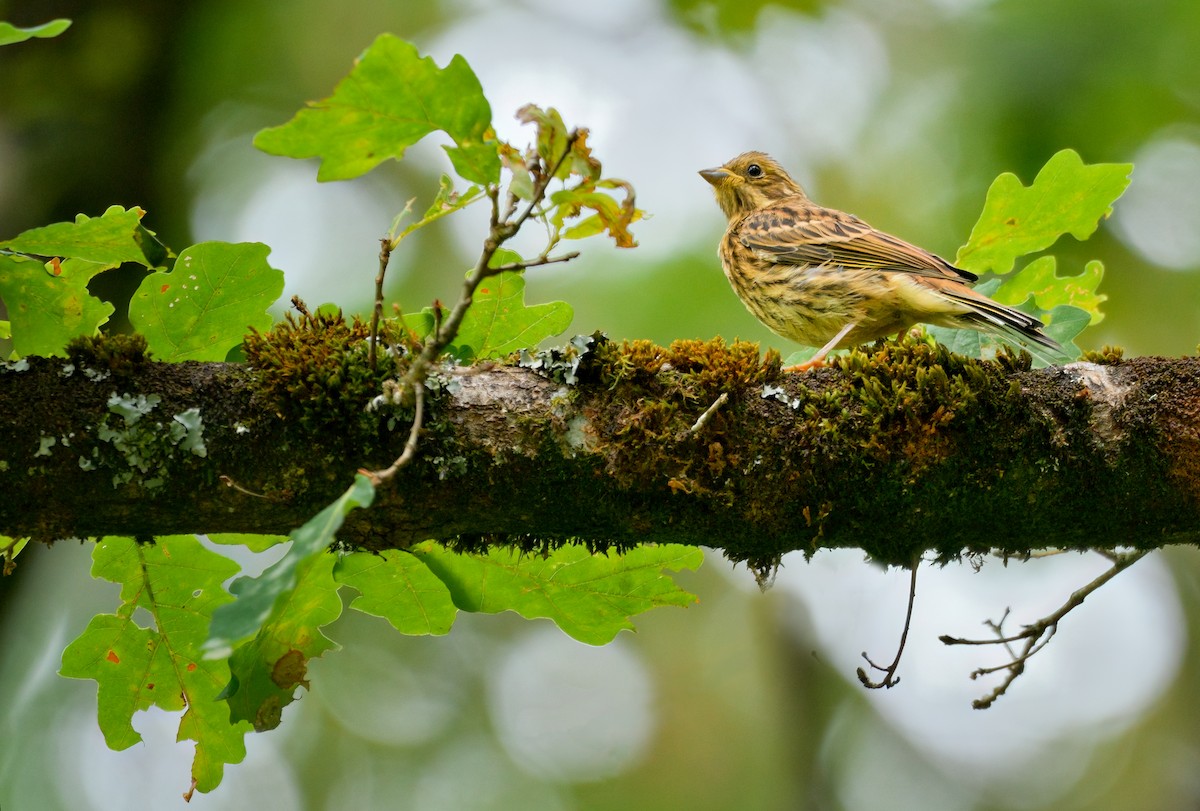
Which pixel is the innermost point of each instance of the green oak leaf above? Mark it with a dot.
(260, 600)
(801, 355)
(10, 34)
(400, 588)
(419, 323)
(1039, 279)
(49, 303)
(965, 342)
(589, 596)
(203, 306)
(266, 671)
(390, 100)
(1066, 197)
(178, 582)
(499, 323)
(255, 543)
(1064, 323)
(113, 238)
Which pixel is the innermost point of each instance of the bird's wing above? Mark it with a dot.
(803, 234)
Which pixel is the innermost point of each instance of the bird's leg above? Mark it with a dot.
(818, 359)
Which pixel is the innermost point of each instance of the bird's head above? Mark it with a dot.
(749, 182)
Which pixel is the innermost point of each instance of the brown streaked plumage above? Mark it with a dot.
(825, 278)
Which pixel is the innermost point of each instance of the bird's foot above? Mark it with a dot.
(808, 365)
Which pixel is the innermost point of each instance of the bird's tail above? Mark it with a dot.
(1012, 324)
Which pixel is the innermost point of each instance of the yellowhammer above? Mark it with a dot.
(825, 278)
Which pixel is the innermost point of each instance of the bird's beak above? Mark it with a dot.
(714, 176)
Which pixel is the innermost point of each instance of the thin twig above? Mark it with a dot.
(703, 419)
(890, 679)
(229, 482)
(378, 477)
(500, 231)
(538, 262)
(501, 228)
(385, 255)
(1038, 634)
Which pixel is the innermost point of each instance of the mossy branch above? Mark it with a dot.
(897, 450)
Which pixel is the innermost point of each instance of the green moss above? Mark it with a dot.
(1108, 356)
(313, 368)
(863, 440)
(120, 355)
(660, 392)
(693, 368)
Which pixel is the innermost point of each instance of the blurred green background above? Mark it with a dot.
(902, 111)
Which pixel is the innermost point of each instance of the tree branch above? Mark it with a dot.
(898, 453)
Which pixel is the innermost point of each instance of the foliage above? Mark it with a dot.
(1066, 197)
(589, 595)
(232, 660)
(199, 309)
(178, 582)
(44, 276)
(11, 34)
(260, 643)
(500, 323)
(392, 99)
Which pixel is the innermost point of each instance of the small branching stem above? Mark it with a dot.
(890, 679)
(410, 445)
(538, 262)
(1036, 635)
(501, 228)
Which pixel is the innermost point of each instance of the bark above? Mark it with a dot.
(896, 453)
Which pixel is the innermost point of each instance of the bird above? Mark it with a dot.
(825, 278)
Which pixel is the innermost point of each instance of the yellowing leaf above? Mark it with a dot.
(266, 671)
(48, 308)
(1039, 279)
(611, 216)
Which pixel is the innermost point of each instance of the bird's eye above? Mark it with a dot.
(754, 170)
